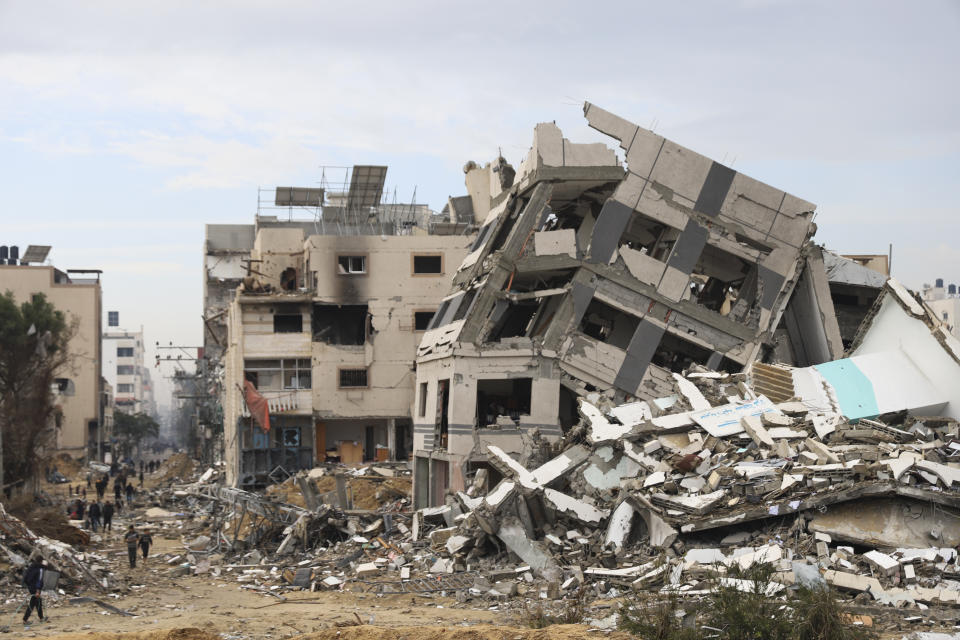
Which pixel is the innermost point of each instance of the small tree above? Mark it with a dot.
(131, 428)
(33, 350)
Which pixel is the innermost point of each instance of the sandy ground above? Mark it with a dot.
(207, 607)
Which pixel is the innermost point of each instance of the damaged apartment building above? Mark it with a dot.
(323, 317)
(590, 276)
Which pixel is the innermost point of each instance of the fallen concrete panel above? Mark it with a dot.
(887, 523)
(724, 420)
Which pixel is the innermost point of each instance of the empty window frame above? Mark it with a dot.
(676, 353)
(422, 407)
(465, 303)
(607, 324)
(438, 316)
(124, 388)
(65, 386)
(352, 378)
(720, 279)
(421, 320)
(277, 375)
(515, 320)
(340, 324)
(427, 264)
(124, 352)
(287, 323)
(125, 369)
(510, 398)
(352, 265)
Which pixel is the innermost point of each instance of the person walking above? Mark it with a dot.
(132, 538)
(129, 493)
(94, 515)
(33, 582)
(145, 541)
(118, 493)
(108, 516)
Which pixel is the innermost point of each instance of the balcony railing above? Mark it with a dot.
(281, 401)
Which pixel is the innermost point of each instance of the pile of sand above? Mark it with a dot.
(50, 522)
(67, 465)
(179, 465)
(369, 493)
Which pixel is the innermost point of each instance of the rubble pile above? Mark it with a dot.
(660, 495)
(77, 569)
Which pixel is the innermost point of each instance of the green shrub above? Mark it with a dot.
(754, 614)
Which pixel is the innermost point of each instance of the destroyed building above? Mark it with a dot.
(587, 276)
(325, 323)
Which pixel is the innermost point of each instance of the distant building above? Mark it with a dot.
(944, 301)
(323, 317)
(77, 294)
(123, 369)
(879, 262)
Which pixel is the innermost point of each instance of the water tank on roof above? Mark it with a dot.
(14, 255)
(939, 283)
(4, 254)
(952, 289)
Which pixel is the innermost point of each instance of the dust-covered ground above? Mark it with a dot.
(207, 607)
(201, 608)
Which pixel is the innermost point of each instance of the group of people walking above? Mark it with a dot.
(98, 514)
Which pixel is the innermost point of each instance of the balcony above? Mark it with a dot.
(296, 401)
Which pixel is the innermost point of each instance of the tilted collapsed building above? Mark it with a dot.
(588, 277)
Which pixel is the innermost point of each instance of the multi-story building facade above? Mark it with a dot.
(123, 369)
(326, 327)
(79, 388)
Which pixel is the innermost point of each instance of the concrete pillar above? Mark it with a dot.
(392, 437)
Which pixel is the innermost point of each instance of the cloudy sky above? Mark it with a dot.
(125, 126)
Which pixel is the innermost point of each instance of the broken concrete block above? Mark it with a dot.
(367, 569)
(757, 432)
(456, 543)
(714, 481)
(823, 452)
(530, 551)
(506, 588)
(442, 565)
(331, 582)
(909, 574)
(882, 562)
(852, 581)
(654, 479)
(704, 556)
(697, 505)
(621, 522)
